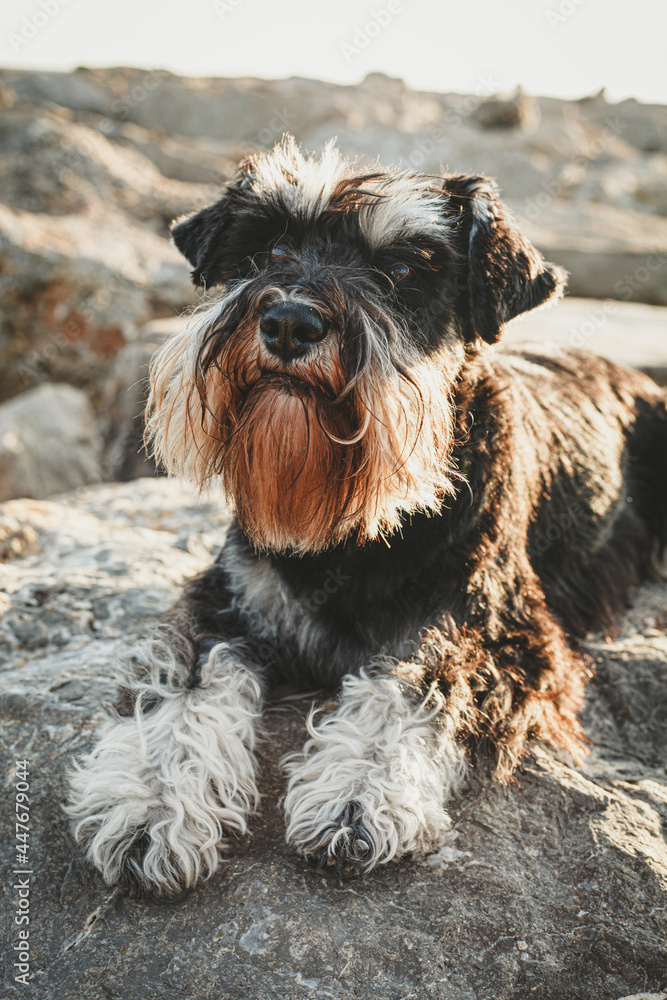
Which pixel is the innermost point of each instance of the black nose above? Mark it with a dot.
(288, 329)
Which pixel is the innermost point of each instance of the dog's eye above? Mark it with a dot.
(400, 272)
(279, 251)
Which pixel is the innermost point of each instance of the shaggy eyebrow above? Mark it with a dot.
(427, 257)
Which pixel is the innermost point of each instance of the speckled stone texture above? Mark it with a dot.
(552, 888)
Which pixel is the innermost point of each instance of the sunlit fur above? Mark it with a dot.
(356, 432)
(309, 453)
(374, 776)
(390, 204)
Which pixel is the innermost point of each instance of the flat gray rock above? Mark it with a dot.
(610, 252)
(629, 333)
(553, 887)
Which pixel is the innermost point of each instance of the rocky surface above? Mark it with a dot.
(552, 888)
(607, 251)
(124, 401)
(84, 258)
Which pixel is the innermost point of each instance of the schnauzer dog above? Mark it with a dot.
(424, 523)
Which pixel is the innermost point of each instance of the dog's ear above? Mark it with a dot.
(201, 236)
(198, 237)
(506, 275)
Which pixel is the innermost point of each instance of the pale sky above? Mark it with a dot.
(565, 48)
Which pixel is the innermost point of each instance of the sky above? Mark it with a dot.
(566, 48)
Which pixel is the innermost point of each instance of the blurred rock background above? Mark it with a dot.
(96, 163)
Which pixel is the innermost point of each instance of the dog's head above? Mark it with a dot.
(316, 383)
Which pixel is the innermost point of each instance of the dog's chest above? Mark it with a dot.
(317, 620)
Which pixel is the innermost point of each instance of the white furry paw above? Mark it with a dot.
(373, 779)
(153, 800)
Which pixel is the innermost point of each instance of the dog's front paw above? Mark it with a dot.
(153, 802)
(347, 840)
(372, 780)
(162, 827)
(370, 829)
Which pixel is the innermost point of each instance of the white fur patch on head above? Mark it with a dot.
(156, 795)
(373, 778)
(391, 204)
(303, 184)
(408, 206)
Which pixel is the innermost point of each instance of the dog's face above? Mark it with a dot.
(316, 386)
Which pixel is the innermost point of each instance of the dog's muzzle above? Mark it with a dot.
(289, 329)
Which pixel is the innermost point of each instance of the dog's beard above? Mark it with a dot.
(308, 457)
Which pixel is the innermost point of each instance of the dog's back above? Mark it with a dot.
(594, 435)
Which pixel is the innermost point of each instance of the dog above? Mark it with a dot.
(424, 523)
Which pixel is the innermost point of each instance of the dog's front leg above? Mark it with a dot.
(174, 769)
(372, 781)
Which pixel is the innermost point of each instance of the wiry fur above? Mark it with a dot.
(156, 798)
(390, 206)
(373, 778)
(422, 523)
(306, 454)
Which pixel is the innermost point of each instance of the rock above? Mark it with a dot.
(16, 539)
(115, 154)
(77, 168)
(610, 253)
(48, 444)
(124, 401)
(640, 186)
(71, 90)
(74, 289)
(84, 251)
(628, 333)
(646, 996)
(642, 125)
(550, 888)
(205, 162)
(517, 111)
